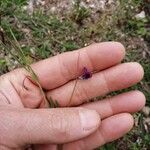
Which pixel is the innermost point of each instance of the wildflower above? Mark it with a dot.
(86, 74)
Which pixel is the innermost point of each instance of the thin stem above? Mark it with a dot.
(74, 87)
(18, 45)
(76, 81)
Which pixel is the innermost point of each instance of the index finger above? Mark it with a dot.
(56, 71)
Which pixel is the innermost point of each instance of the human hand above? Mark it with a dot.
(21, 124)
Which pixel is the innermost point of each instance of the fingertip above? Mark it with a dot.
(137, 69)
(120, 125)
(116, 126)
(120, 47)
(131, 73)
(128, 118)
(124, 122)
(140, 99)
(112, 51)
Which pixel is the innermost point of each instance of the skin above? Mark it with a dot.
(81, 126)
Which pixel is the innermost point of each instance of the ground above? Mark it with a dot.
(49, 27)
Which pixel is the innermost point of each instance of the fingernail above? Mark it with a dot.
(90, 119)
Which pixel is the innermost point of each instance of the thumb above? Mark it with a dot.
(40, 126)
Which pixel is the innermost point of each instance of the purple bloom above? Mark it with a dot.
(86, 74)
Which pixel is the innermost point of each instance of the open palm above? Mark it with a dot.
(22, 124)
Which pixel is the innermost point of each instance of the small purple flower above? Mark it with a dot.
(86, 74)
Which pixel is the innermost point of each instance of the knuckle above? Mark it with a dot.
(81, 94)
(64, 69)
(106, 83)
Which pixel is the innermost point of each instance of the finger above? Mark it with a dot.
(110, 129)
(129, 102)
(41, 126)
(112, 79)
(56, 71)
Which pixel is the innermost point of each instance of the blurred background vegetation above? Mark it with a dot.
(45, 28)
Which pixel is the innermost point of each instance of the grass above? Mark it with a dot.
(45, 34)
